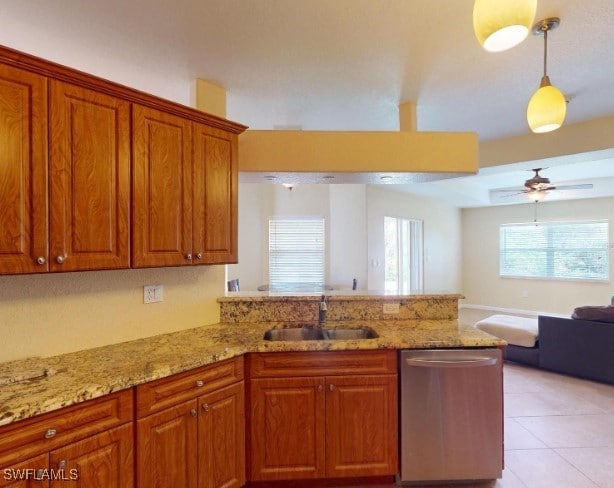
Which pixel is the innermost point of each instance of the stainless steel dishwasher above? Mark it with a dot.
(451, 415)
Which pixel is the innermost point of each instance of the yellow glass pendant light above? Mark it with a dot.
(547, 107)
(502, 24)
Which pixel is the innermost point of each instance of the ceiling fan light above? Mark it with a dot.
(546, 109)
(502, 24)
(537, 195)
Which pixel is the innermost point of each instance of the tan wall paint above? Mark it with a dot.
(480, 259)
(584, 137)
(210, 98)
(49, 314)
(355, 152)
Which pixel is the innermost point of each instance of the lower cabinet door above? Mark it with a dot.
(286, 429)
(167, 449)
(32, 473)
(104, 460)
(361, 426)
(221, 438)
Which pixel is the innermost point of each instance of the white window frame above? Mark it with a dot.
(304, 254)
(551, 250)
(409, 261)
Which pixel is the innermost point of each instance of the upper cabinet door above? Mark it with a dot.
(23, 172)
(89, 179)
(161, 189)
(215, 196)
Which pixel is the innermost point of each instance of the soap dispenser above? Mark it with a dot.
(322, 314)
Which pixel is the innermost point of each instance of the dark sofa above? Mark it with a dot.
(580, 348)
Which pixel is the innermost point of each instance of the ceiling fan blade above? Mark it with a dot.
(510, 190)
(586, 186)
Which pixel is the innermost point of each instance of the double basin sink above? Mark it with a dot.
(309, 333)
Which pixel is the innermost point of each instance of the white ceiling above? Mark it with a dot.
(334, 64)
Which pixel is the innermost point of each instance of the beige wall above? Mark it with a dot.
(49, 314)
(481, 282)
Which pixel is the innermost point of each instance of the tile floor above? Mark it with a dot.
(559, 432)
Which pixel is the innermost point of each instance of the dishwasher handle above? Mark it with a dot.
(474, 362)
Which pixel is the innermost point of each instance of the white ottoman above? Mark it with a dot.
(519, 331)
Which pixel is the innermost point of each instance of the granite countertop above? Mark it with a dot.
(334, 295)
(38, 385)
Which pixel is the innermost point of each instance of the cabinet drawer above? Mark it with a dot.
(48, 431)
(157, 395)
(329, 363)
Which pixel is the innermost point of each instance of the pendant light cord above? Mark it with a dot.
(545, 50)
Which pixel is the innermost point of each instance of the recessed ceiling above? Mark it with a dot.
(329, 64)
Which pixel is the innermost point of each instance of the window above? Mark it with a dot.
(558, 250)
(403, 255)
(296, 254)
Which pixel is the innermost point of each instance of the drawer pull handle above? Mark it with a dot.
(206, 407)
(59, 259)
(193, 412)
(62, 464)
(200, 383)
(331, 387)
(50, 433)
(320, 388)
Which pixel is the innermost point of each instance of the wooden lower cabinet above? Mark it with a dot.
(361, 426)
(322, 426)
(287, 428)
(25, 474)
(199, 443)
(101, 461)
(89, 444)
(221, 438)
(167, 448)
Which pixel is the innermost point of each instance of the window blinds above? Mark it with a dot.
(296, 254)
(559, 250)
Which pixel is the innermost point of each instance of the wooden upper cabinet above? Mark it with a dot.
(215, 196)
(23, 171)
(162, 189)
(89, 179)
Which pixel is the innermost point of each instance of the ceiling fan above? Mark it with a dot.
(537, 187)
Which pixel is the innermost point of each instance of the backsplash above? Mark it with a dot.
(260, 308)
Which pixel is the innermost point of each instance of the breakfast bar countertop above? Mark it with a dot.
(34, 386)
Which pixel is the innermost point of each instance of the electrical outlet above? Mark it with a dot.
(391, 308)
(153, 293)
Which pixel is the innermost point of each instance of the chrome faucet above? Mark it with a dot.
(323, 310)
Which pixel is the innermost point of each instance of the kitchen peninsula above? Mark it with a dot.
(187, 365)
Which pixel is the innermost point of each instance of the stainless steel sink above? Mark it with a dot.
(316, 334)
(349, 334)
(294, 334)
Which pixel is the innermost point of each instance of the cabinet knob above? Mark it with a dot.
(50, 433)
(199, 255)
(62, 464)
(188, 257)
(193, 412)
(206, 407)
(59, 259)
(331, 387)
(320, 388)
(40, 260)
(200, 383)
